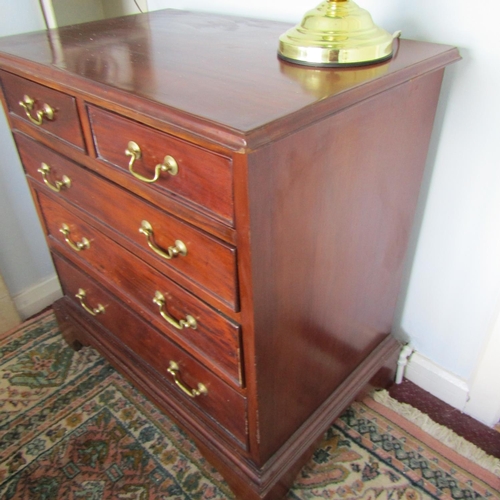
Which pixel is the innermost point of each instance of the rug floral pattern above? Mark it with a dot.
(72, 428)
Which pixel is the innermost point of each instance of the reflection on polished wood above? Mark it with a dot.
(161, 54)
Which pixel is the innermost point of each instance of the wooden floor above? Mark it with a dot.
(473, 431)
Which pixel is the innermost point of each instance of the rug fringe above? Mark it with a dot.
(440, 432)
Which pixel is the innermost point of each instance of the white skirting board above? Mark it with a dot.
(439, 382)
(37, 297)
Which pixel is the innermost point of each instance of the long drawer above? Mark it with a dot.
(209, 336)
(52, 111)
(183, 170)
(206, 261)
(190, 381)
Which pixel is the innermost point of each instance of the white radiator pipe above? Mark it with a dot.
(405, 353)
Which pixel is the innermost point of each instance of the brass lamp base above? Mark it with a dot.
(336, 33)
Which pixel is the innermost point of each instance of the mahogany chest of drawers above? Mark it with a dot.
(229, 229)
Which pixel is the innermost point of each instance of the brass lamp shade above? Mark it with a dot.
(336, 33)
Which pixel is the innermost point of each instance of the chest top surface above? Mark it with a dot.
(222, 70)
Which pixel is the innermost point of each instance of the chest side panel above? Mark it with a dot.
(331, 209)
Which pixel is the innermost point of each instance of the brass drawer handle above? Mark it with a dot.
(94, 311)
(173, 251)
(173, 369)
(64, 183)
(45, 113)
(169, 164)
(187, 322)
(79, 245)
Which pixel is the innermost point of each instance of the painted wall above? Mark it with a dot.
(24, 258)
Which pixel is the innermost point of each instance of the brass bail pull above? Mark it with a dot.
(178, 249)
(169, 164)
(76, 246)
(187, 322)
(94, 311)
(173, 369)
(45, 113)
(56, 185)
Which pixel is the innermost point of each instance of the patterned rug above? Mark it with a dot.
(72, 428)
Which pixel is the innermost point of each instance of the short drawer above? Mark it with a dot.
(189, 173)
(207, 335)
(46, 108)
(187, 379)
(207, 262)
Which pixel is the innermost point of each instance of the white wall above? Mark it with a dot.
(455, 278)
(448, 307)
(24, 259)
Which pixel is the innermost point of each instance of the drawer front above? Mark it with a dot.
(208, 262)
(62, 122)
(202, 178)
(216, 399)
(207, 335)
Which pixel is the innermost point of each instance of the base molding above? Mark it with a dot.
(375, 372)
(37, 297)
(437, 381)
